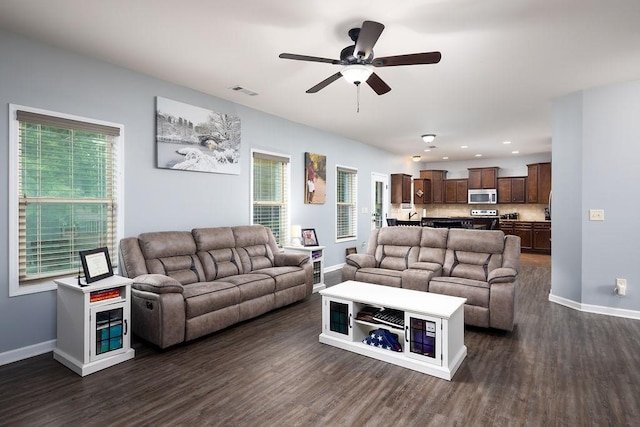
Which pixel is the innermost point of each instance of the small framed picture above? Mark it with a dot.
(96, 264)
(309, 237)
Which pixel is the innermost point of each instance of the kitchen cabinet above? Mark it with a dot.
(542, 237)
(534, 236)
(421, 191)
(538, 183)
(512, 190)
(455, 191)
(400, 188)
(481, 178)
(524, 230)
(437, 178)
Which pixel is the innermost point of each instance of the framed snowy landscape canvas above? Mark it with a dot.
(196, 139)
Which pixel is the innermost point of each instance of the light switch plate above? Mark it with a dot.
(596, 214)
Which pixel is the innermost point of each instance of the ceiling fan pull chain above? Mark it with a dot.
(358, 99)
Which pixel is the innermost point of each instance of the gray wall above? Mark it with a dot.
(595, 166)
(41, 76)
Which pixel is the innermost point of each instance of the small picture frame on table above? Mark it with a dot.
(309, 237)
(96, 264)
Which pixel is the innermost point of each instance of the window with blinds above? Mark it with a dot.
(66, 193)
(271, 194)
(346, 215)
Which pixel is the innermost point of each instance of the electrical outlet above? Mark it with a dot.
(596, 214)
(621, 286)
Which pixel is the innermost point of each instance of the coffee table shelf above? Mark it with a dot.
(432, 338)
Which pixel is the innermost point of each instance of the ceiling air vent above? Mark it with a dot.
(243, 90)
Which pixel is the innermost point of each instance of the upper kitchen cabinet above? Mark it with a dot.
(512, 190)
(437, 178)
(539, 183)
(400, 188)
(481, 178)
(455, 191)
(421, 191)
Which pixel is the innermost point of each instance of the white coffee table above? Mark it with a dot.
(432, 337)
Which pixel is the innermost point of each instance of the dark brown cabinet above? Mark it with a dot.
(539, 183)
(524, 230)
(512, 190)
(534, 236)
(481, 178)
(455, 191)
(436, 177)
(421, 191)
(542, 237)
(400, 188)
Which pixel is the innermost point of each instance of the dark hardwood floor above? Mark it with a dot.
(558, 367)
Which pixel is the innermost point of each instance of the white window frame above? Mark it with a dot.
(15, 288)
(287, 202)
(355, 237)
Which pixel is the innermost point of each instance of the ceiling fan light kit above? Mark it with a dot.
(356, 74)
(428, 138)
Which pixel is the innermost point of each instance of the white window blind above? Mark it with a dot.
(66, 186)
(346, 190)
(271, 194)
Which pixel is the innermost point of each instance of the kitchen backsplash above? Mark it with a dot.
(526, 212)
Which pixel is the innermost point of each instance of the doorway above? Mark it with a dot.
(379, 199)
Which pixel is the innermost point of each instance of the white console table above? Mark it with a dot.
(432, 338)
(93, 326)
(316, 258)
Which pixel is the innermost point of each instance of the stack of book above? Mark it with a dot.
(105, 294)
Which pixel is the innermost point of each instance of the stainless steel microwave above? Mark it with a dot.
(488, 196)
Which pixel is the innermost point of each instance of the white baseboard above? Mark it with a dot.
(26, 352)
(596, 309)
(333, 268)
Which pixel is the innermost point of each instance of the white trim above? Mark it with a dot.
(596, 309)
(335, 206)
(384, 179)
(287, 183)
(26, 352)
(334, 267)
(14, 266)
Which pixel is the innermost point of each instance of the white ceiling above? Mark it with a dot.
(503, 61)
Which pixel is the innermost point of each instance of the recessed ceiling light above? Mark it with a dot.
(429, 137)
(478, 155)
(427, 150)
(506, 142)
(445, 158)
(515, 152)
(464, 146)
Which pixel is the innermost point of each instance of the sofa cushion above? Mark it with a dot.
(380, 276)
(220, 263)
(433, 245)
(252, 285)
(172, 253)
(475, 291)
(253, 247)
(204, 297)
(285, 277)
(473, 254)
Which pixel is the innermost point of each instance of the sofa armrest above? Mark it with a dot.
(502, 275)
(289, 259)
(157, 284)
(361, 260)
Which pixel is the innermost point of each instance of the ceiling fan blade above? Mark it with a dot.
(411, 59)
(307, 58)
(377, 84)
(369, 34)
(326, 82)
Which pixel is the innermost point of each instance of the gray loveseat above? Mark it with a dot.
(479, 265)
(189, 284)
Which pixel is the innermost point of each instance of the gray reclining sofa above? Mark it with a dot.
(189, 284)
(479, 265)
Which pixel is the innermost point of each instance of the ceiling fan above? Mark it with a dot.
(358, 59)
